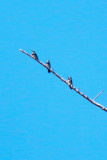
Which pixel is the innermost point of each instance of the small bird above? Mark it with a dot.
(48, 65)
(70, 82)
(34, 55)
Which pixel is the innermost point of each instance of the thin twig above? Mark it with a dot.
(62, 79)
(98, 95)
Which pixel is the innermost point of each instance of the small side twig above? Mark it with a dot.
(98, 94)
(71, 86)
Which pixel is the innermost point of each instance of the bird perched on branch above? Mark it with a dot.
(70, 82)
(34, 55)
(48, 65)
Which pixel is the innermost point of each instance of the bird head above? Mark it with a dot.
(33, 52)
(69, 77)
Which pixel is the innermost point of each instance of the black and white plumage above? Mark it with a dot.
(48, 65)
(34, 55)
(70, 82)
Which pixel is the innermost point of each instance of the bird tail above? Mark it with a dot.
(49, 71)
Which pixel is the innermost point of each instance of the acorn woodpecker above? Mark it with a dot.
(34, 55)
(48, 65)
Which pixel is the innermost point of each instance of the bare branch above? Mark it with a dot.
(71, 86)
(98, 94)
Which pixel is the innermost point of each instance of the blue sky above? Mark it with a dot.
(40, 117)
